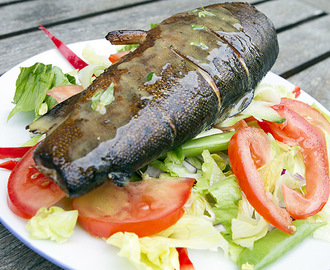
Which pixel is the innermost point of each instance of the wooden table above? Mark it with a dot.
(303, 28)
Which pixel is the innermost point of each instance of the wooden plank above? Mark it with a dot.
(20, 254)
(315, 80)
(321, 4)
(10, 2)
(91, 28)
(140, 18)
(29, 14)
(302, 44)
(283, 13)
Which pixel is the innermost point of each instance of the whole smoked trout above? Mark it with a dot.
(191, 70)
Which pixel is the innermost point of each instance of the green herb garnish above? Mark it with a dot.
(152, 25)
(199, 44)
(102, 99)
(197, 27)
(203, 13)
(150, 75)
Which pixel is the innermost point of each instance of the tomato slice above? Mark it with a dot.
(144, 207)
(116, 56)
(314, 150)
(29, 190)
(309, 113)
(248, 150)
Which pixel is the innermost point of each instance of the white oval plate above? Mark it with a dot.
(83, 251)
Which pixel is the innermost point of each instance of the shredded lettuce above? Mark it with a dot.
(159, 251)
(145, 253)
(227, 195)
(249, 226)
(326, 115)
(265, 96)
(54, 224)
(102, 99)
(211, 172)
(34, 140)
(93, 58)
(290, 160)
(323, 216)
(176, 165)
(128, 47)
(198, 205)
(31, 86)
(89, 73)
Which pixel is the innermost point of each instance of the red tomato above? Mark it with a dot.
(314, 150)
(116, 56)
(248, 150)
(296, 91)
(309, 113)
(29, 190)
(144, 207)
(185, 263)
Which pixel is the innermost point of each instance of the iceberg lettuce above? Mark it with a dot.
(249, 226)
(159, 251)
(54, 224)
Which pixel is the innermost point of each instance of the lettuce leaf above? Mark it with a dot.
(145, 253)
(227, 195)
(211, 172)
(249, 226)
(159, 251)
(265, 96)
(322, 216)
(31, 87)
(54, 224)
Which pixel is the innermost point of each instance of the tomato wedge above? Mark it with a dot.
(29, 190)
(248, 150)
(314, 150)
(144, 207)
(116, 56)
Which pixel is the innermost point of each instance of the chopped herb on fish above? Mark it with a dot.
(199, 44)
(150, 76)
(197, 27)
(152, 25)
(102, 98)
(203, 13)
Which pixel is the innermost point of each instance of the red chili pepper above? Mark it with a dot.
(9, 165)
(74, 59)
(296, 91)
(185, 263)
(13, 152)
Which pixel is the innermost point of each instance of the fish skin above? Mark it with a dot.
(192, 87)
